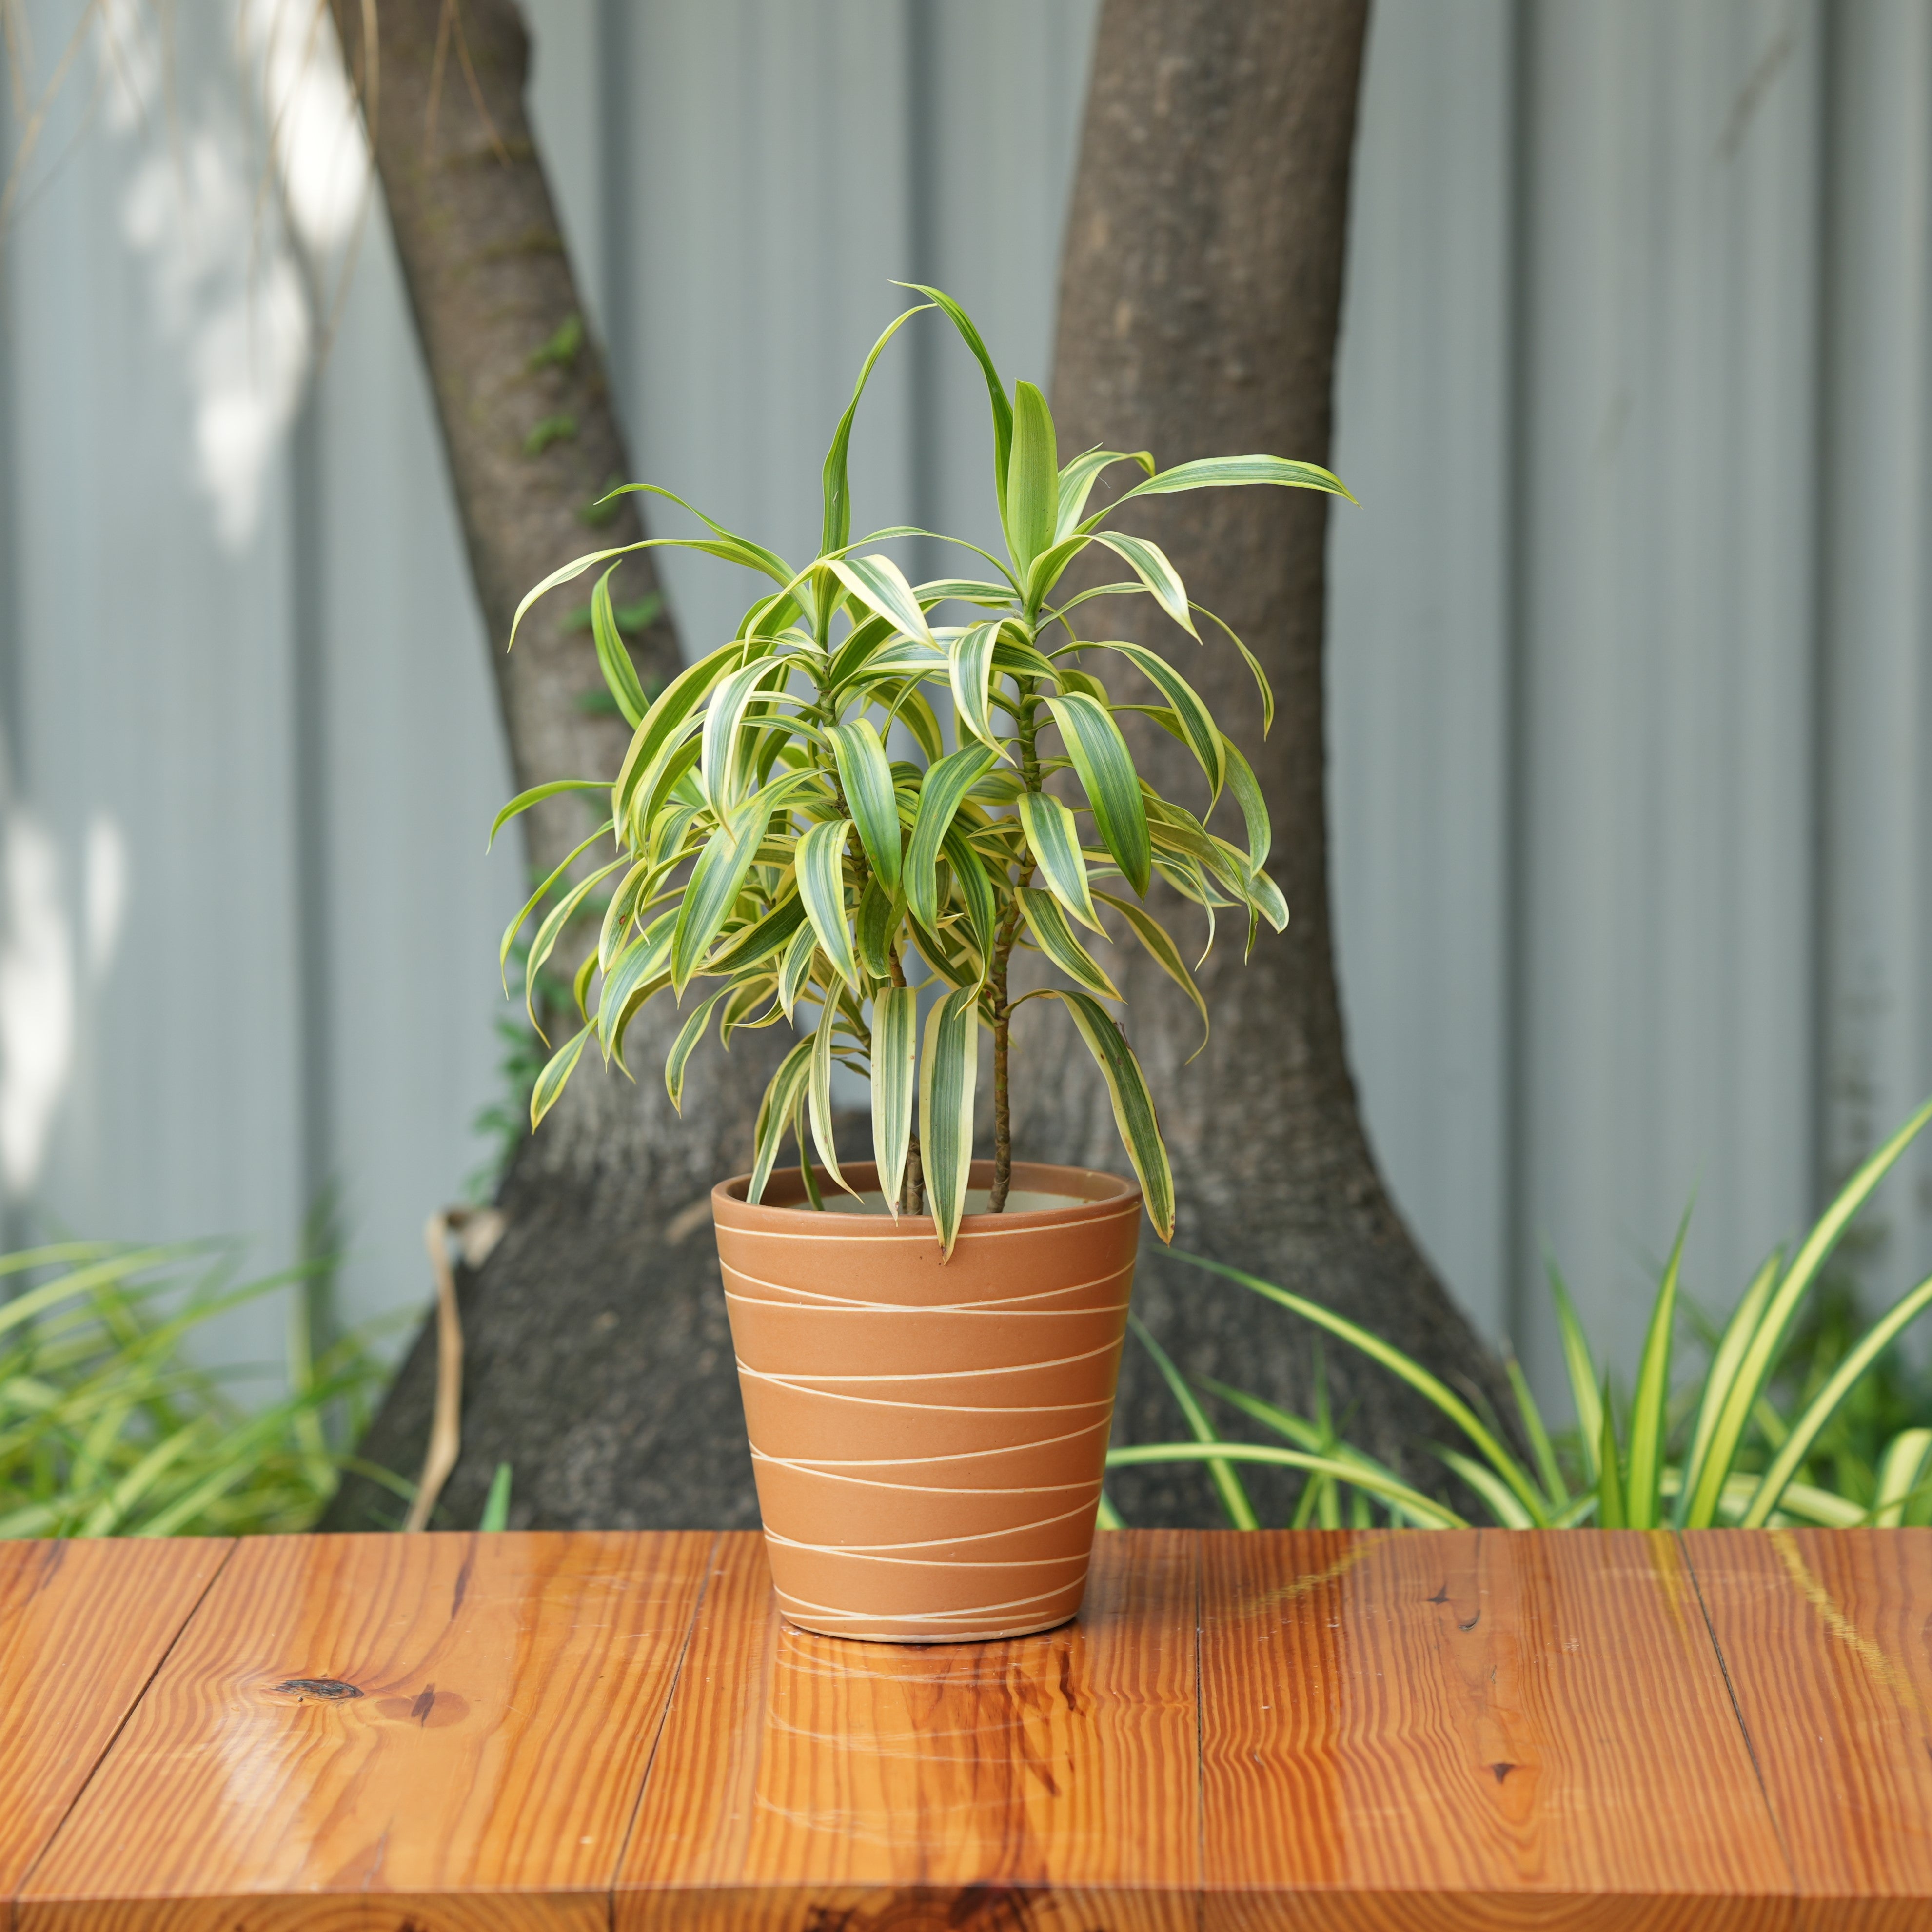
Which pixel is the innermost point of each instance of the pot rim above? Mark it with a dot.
(1101, 1197)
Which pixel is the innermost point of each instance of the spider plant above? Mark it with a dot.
(1716, 1450)
(105, 1430)
(793, 837)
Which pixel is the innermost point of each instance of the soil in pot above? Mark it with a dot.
(928, 1437)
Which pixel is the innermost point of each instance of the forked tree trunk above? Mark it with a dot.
(598, 1361)
(1199, 301)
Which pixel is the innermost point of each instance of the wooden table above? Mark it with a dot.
(1242, 1732)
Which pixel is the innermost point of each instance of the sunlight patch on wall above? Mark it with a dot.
(239, 198)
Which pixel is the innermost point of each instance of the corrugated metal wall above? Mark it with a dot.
(1627, 644)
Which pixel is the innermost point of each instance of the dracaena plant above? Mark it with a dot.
(792, 838)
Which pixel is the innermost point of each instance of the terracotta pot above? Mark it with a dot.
(928, 1437)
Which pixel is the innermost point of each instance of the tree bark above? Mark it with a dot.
(1199, 304)
(1200, 300)
(598, 1364)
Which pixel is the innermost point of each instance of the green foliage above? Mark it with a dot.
(105, 1430)
(790, 821)
(1799, 1415)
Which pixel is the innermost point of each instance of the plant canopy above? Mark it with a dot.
(794, 837)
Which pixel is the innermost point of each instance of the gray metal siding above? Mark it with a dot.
(1627, 692)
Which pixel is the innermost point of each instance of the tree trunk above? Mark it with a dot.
(1199, 306)
(598, 1361)
(1200, 299)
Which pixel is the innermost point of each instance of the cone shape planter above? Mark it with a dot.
(928, 1437)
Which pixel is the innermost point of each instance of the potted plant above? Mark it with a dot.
(927, 1344)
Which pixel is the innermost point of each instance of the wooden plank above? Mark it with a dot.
(444, 1731)
(1824, 1635)
(1408, 1731)
(83, 1625)
(1047, 1784)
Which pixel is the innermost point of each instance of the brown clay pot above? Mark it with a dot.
(928, 1437)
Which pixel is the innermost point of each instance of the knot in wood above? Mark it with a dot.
(330, 1690)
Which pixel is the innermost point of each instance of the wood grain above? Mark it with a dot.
(1824, 1634)
(1043, 1784)
(1471, 1728)
(442, 1732)
(83, 1625)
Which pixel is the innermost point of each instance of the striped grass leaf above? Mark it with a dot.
(946, 784)
(716, 880)
(795, 969)
(1247, 792)
(1541, 1446)
(1253, 663)
(727, 544)
(875, 927)
(613, 660)
(1032, 480)
(1048, 568)
(1736, 1400)
(861, 643)
(818, 1092)
(965, 590)
(646, 958)
(948, 1073)
(627, 904)
(1579, 1367)
(1161, 948)
(551, 931)
(1106, 772)
(556, 1070)
(1077, 479)
(1234, 1504)
(1423, 1510)
(1732, 1344)
(764, 936)
(878, 583)
(910, 706)
(1650, 1413)
(836, 527)
(1046, 920)
(996, 390)
(1429, 1386)
(866, 776)
(1217, 472)
(685, 1045)
(1317, 1439)
(783, 1092)
(1901, 1472)
(821, 885)
(495, 1515)
(1133, 1106)
(1805, 1431)
(725, 764)
(970, 669)
(675, 716)
(894, 1083)
(1054, 840)
(1504, 1505)
(974, 889)
(537, 898)
(1148, 562)
(1198, 731)
(524, 800)
(1611, 1512)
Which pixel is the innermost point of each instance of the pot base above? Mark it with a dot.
(904, 1637)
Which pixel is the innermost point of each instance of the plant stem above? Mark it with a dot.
(1003, 952)
(1002, 1021)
